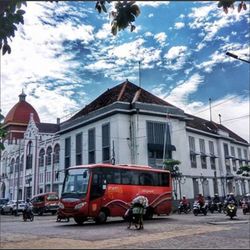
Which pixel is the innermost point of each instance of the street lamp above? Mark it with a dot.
(179, 178)
(28, 179)
(236, 57)
(204, 181)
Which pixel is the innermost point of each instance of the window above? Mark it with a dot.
(67, 152)
(41, 157)
(158, 133)
(226, 152)
(106, 142)
(57, 153)
(212, 162)
(91, 145)
(203, 161)
(191, 143)
(202, 146)
(245, 154)
(79, 149)
(239, 153)
(12, 164)
(48, 155)
(211, 147)
(232, 151)
(29, 156)
(193, 160)
(21, 163)
(17, 164)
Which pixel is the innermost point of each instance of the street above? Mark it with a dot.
(173, 231)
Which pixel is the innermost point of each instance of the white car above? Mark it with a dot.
(10, 207)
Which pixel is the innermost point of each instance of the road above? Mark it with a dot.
(165, 232)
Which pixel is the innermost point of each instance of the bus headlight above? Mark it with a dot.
(61, 206)
(80, 205)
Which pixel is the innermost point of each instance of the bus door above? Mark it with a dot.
(97, 191)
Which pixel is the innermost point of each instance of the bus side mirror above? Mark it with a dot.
(84, 175)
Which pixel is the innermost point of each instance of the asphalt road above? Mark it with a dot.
(165, 232)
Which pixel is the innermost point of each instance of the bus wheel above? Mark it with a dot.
(79, 220)
(101, 218)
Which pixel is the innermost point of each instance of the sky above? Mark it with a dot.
(64, 56)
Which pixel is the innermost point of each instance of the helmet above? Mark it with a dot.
(231, 194)
(27, 200)
(215, 194)
(184, 196)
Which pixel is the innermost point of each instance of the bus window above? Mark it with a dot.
(116, 176)
(146, 179)
(126, 177)
(164, 179)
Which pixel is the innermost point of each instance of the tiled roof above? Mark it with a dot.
(48, 127)
(124, 92)
(211, 127)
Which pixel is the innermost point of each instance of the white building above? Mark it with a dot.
(128, 125)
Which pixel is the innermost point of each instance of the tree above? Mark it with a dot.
(244, 171)
(171, 165)
(11, 15)
(2, 136)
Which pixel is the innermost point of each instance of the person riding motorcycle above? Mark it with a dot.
(28, 207)
(201, 200)
(216, 198)
(184, 202)
(231, 199)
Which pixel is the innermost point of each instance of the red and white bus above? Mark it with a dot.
(101, 190)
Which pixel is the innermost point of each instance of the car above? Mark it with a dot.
(3, 201)
(45, 203)
(10, 207)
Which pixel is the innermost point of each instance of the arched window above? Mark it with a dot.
(12, 164)
(21, 164)
(29, 156)
(56, 153)
(41, 157)
(48, 155)
(17, 164)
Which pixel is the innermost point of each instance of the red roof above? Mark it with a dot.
(20, 113)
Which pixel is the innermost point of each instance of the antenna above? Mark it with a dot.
(210, 108)
(220, 118)
(140, 74)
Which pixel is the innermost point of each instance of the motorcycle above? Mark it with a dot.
(28, 215)
(197, 209)
(185, 209)
(231, 210)
(215, 206)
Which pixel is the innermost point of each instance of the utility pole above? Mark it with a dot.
(18, 176)
(210, 109)
(140, 74)
(220, 118)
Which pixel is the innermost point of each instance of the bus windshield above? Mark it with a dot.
(76, 183)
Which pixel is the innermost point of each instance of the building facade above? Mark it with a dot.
(128, 125)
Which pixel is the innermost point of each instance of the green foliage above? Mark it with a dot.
(171, 165)
(225, 4)
(2, 136)
(11, 15)
(244, 170)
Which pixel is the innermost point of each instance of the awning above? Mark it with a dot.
(153, 146)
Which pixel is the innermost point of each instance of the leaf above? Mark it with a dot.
(20, 12)
(114, 29)
(135, 10)
(132, 28)
(244, 6)
(225, 9)
(240, 7)
(104, 8)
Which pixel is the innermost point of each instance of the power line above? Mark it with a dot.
(236, 118)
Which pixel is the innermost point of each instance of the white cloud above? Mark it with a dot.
(161, 38)
(179, 95)
(154, 4)
(179, 25)
(230, 107)
(150, 15)
(176, 57)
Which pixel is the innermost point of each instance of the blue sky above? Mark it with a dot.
(64, 56)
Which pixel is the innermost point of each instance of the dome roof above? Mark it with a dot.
(20, 113)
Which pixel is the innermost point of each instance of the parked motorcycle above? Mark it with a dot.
(182, 208)
(197, 209)
(231, 210)
(28, 215)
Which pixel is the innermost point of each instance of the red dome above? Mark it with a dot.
(20, 113)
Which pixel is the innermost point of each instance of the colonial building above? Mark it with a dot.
(31, 156)
(128, 125)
